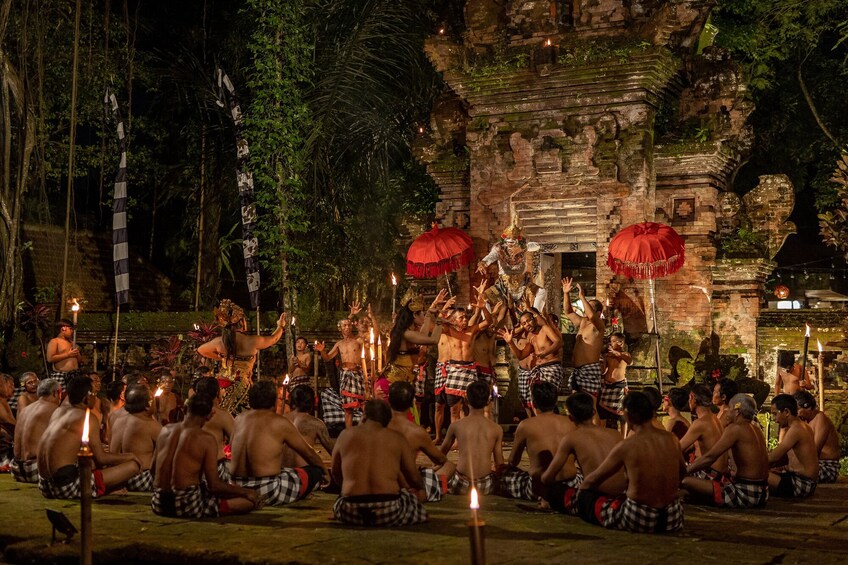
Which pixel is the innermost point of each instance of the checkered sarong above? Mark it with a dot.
(793, 485)
(191, 502)
(622, 513)
(524, 386)
(548, 372)
(432, 484)
(71, 489)
(352, 386)
(278, 490)
(441, 378)
(224, 470)
(420, 380)
(332, 411)
(13, 401)
(63, 377)
(403, 510)
(612, 397)
(711, 474)
(143, 482)
(485, 374)
(25, 471)
(562, 496)
(516, 483)
(6, 460)
(740, 493)
(460, 484)
(458, 375)
(828, 470)
(587, 378)
(300, 380)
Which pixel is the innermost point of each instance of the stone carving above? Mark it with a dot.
(768, 207)
(485, 22)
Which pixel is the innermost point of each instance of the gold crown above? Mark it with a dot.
(412, 300)
(512, 232)
(228, 313)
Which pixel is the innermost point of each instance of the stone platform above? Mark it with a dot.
(125, 530)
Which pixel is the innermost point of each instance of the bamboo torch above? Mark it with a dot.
(804, 377)
(476, 531)
(85, 458)
(821, 376)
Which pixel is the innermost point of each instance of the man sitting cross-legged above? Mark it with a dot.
(31, 425)
(259, 437)
(590, 445)
(220, 425)
(748, 488)
(401, 397)
(185, 476)
(824, 433)
(704, 432)
(540, 436)
(480, 444)
(58, 466)
(313, 430)
(796, 450)
(138, 435)
(368, 461)
(653, 463)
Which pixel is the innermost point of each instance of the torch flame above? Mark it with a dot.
(807, 334)
(820, 345)
(363, 352)
(371, 341)
(420, 130)
(85, 426)
(475, 504)
(293, 320)
(394, 280)
(548, 43)
(495, 390)
(159, 392)
(75, 306)
(379, 340)
(442, 31)
(286, 380)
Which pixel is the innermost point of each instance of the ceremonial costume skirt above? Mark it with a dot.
(420, 381)
(711, 474)
(622, 513)
(485, 374)
(793, 485)
(458, 375)
(63, 377)
(441, 379)
(352, 385)
(143, 482)
(460, 484)
(287, 487)
(548, 372)
(740, 493)
(828, 470)
(612, 397)
(402, 509)
(524, 386)
(25, 471)
(300, 380)
(65, 483)
(192, 502)
(331, 409)
(587, 379)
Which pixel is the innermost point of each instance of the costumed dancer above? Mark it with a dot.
(412, 329)
(514, 285)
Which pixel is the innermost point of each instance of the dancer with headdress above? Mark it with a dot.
(514, 286)
(411, 330)
(237, 351)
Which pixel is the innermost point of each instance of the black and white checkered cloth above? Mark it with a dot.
(285, 488)
(192, 502)
(432, 484)
(459, 374)
(740, 493)
(25, 471)
(352, 386)
(6, 460)
(224, 470)
(548, 372)
(793, 485)
(562, 495)
(420, 380)
(485, 374)
(143, 482)
(13, 401)
(524, 376)
(622, 513)
(332, 411)
(587, 379)
(612, 397)
(828, 470)
(63, 377)
(516, 483)
(710, 474)
(300, 380)
(71, 488)
(403, 510)
(460, 484)
(441, 378)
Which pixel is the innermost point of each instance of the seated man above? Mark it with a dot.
(138, 435)
(480, 443)
(31, 425)
(368, 460)
(259, 437)
(401, 397)
(590, 445)
(675, 403)
(220, 425)
(313, 430)
(824, 433)
(744, 440)
(797, 447)
(723, 391)
(58, 467)
(540, 436)
(654, 464)
(704, 432)
(185, 475)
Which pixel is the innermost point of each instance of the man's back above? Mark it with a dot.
(478, 439)
(180, 456)
(416, 437)
(827, 440)
(542, 435)
(591, 445)
(750, 454)
(221, 426)
(61, 440)
(707, 430)
(653, 463)
(32, 423)
(139, 437)
(314, 432)
(257, 444)
(371, 460)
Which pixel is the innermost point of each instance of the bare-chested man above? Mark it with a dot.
(824, 432)
(368, 462)
(540, 436)
(654, 465)
(113, 402)
(31, 425)
(525, 369)
(589, 445)
(614, 385)
(300, 364)
(58, 466)
(138, 435)
(675, 403)
(480, 444)
(7, 389)
(220, 424)
(484, 350)
(742, 438)
(589, 342)
(401, 397)
(61, 354)
(186, 483)
(544, 341)
(259, 437)
(704, 432)
(723, 391)
(789, 379)
(30, 392)
(351, 380)
(797, 447)
(313, 430)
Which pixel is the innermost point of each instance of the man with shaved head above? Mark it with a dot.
(138, 435)
(31, 425)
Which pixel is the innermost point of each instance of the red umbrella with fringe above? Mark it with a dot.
(647, 251)
(438, 252)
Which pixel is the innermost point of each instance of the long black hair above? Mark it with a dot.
(403, 322)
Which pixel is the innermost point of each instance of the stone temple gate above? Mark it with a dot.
(582, 117)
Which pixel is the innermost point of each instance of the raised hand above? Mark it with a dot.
(440, 298)
(505, 335)
(482, 268)
(579, 290)
(355, 308)
(319, 346)
(281, 322)
(567, 285)
(480, 289)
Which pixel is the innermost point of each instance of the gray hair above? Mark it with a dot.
(27, 375)
(745, 404)
(47, 387)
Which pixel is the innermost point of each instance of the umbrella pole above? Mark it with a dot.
(656, 335)
(447, 282)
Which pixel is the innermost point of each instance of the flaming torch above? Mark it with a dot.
(476, 530)
(804, 376)
(285, 392)
(85, 457)
(75, 307)
(394, 295)
(156, 396)
(821, 376)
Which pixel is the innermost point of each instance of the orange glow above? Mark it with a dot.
(394, 280)
(808, 331)
(159, 392)
(75, 306)
(371, 341)
(475, 504)
(85, 426)
(820, 346)
(548, 43)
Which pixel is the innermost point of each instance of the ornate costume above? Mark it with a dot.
(514, 285)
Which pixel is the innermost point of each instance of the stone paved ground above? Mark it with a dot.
(811, 531)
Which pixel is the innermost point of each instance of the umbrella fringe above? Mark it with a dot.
(655, 270)
(433, 270)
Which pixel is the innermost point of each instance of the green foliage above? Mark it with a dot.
(834, 223)
(744, 242)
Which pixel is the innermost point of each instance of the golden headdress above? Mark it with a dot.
(228, 313)
(512, 232)
(412, 300)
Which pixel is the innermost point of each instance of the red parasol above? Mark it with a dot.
(646, 251)
(438, 252)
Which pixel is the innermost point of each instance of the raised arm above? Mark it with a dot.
(590, 313)
(520, 354)
(573, 317)
(265, 341)
(320, 348)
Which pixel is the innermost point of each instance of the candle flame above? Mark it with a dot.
(293, 320)
(379, 340)
(196, 327)
(819, 344)
(85, 426)
(807, 334)
(420, 130)
(475, 504)
(371, 341)
(394, 280)
(159, 392)
(442, 31)
(548, 43)
(75, 306)
(363, 352)
(495, 390)
(286, 380)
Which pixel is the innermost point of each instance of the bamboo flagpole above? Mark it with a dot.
(115, 343)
